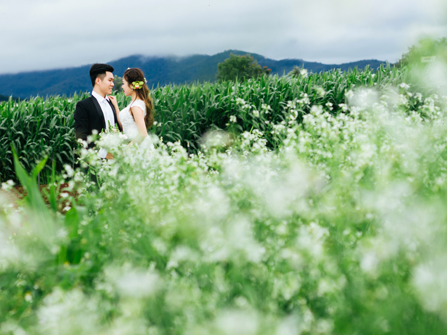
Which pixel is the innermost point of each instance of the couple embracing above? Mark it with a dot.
(100, 111)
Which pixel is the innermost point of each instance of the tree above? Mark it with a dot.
(118, 83)
(426, 51)
(240, 67)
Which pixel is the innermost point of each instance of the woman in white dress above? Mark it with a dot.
(138, 116)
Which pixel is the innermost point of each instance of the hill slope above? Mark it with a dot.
(158, 71)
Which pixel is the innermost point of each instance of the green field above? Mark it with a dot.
(44, 127)
(280, 206)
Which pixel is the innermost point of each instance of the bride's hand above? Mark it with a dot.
(113, 100)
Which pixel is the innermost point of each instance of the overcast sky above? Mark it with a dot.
(46, 34)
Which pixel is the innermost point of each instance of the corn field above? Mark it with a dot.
(44, 127)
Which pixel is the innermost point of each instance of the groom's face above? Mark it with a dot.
(105, 84)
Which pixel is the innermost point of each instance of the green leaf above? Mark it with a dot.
(72, 222)
(39, 167)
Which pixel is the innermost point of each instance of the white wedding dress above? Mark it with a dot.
(130, 128)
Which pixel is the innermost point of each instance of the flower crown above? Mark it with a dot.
(136, 85)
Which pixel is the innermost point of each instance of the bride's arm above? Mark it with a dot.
(117, 110)
(138, 116)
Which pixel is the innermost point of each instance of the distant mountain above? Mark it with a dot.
(158, 71)
(4, 98)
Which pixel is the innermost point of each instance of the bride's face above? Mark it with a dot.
(126, 88)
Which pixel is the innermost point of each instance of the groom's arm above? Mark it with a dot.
(81, 122)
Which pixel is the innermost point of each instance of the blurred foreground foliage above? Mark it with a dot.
(427, 50)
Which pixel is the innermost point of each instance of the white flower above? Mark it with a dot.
(8, 185)
(28, 297)
(369, 263)
(133, 282)
(320, 90)
(71, 311)
(233, 118)
(238, 322)
(344, 107)
(404, 86)
(69, 169)
(293, 114)
(83, 143)
(265, 108)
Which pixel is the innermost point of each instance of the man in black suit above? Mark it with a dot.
(97, 111)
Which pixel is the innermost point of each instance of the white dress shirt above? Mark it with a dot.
(108, 117)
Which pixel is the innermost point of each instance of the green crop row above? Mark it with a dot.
(45, 127)
(37, 127)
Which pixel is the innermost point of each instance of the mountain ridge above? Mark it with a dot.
(157, 69)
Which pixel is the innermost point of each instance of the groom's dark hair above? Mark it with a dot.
(99, 70)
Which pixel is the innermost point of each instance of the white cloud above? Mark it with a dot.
(57, 33)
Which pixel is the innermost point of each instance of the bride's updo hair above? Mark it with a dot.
(135, 74)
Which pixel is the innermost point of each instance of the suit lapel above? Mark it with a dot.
(114, 114)
(97, 107)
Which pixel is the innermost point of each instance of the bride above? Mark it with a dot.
(138, 116)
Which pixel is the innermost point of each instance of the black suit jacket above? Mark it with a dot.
(88, 115)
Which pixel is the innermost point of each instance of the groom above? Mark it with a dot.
(97, 111)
